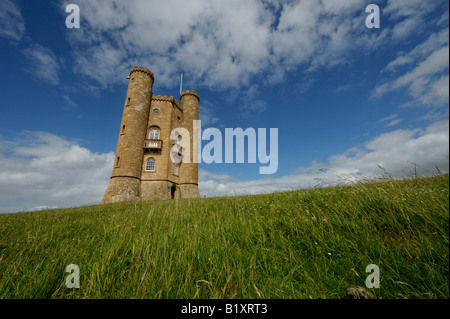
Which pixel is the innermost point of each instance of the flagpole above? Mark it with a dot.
(181, 84)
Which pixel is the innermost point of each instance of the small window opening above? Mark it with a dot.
(118, 162)
(150, 165)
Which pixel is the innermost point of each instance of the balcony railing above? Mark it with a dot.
(153, 144)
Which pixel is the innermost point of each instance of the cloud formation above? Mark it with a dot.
(12, 25)
(44, 170)
(43, 63)
(226, 43)
(426, 78)
(398, 152)
(391, 120)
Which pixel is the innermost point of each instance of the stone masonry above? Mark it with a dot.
(143, 169)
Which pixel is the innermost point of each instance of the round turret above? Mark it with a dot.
(125, 180)
(189, 101)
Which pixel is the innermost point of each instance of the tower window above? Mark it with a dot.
(129, 101)
(123, 130)
(118, 162)
(156, 111)
(150, 165)
(154, 134)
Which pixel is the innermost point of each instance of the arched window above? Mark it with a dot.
(153, 134)
(150, 164)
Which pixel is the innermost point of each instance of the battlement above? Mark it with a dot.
(190, 93)
(166, 98)
(143, 70)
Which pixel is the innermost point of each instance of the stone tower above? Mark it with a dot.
(143, 168)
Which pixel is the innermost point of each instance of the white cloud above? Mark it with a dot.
(395, 151)
(388, 118)
(43, 63)
(12, 25)
(433, 42)
(224, 44)
(68, 103)
(399, 9)
(436, 62)
(393, 122)
(426, 79)
(391, 119)
(409, 15)
(217, 41)
(44, 170)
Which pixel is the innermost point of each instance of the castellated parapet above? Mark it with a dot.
(143, 169)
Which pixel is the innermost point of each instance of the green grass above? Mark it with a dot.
(299, 244)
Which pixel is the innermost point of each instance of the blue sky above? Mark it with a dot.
(344, 98)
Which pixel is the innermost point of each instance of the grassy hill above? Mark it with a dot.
(299, 244)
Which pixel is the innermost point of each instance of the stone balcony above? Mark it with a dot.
(153, 144)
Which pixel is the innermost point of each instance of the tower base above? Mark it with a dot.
(151, 190)
(122, 189)
(189, 191)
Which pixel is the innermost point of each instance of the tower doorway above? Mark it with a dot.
(173, 190)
